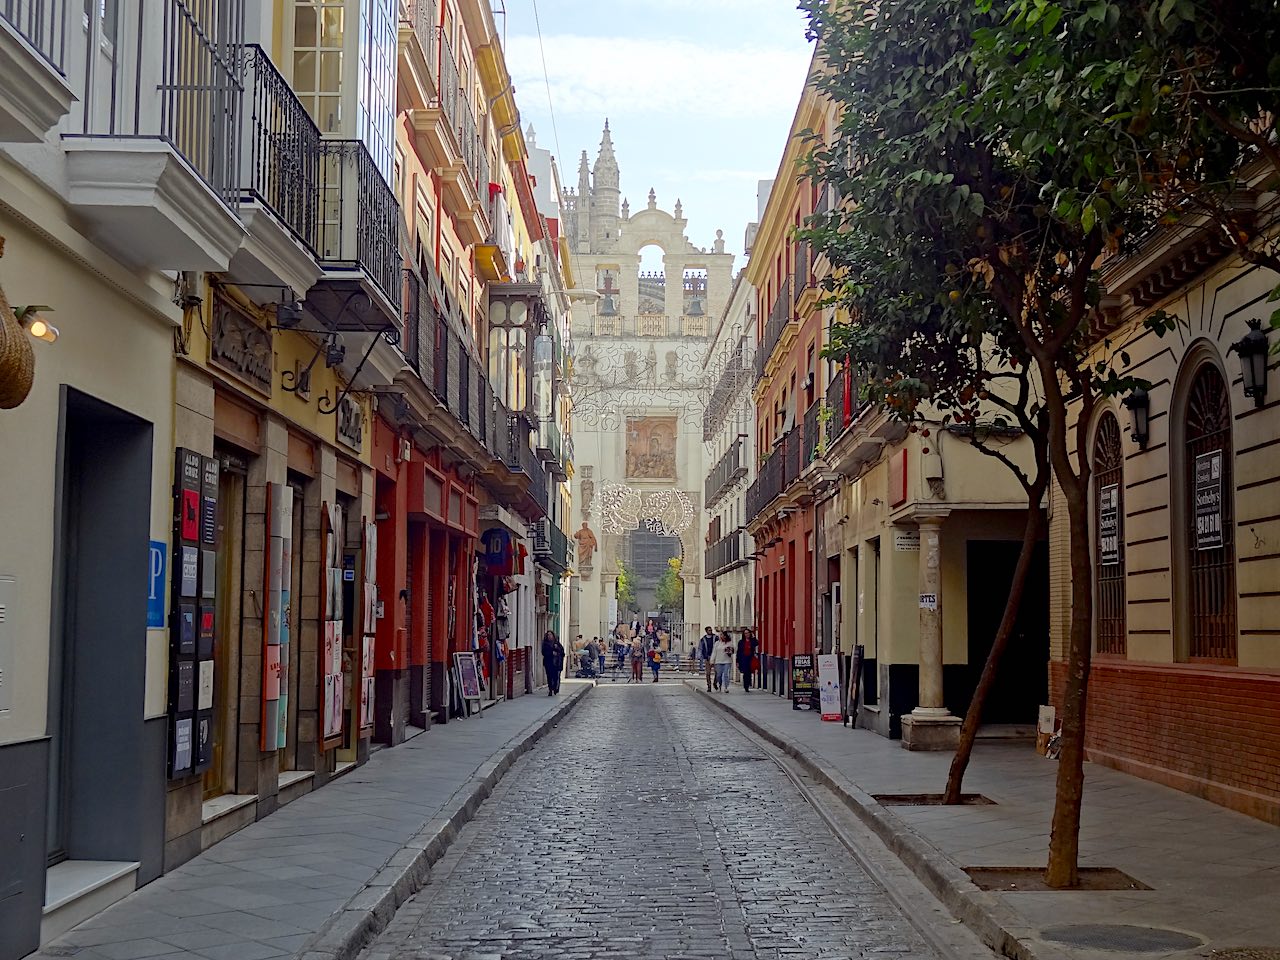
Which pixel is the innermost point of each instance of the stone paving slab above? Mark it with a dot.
(321, 876)
(1215, 873)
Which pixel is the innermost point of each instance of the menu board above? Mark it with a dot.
(803, 681)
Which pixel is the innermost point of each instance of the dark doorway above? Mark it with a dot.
(106, 791)
(1022, 683)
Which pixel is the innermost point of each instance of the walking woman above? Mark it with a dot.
(637, 661)
(746, 658)
(655, 662)
(552, 661)
(722, 658)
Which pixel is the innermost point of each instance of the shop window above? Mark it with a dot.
(1208, 542)
(1108, 499)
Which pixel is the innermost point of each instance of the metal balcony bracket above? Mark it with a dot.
(322, 405)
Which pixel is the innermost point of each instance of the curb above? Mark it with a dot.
(997, 925)
(362, 918)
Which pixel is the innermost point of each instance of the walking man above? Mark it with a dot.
(706, 647)
(552, 661)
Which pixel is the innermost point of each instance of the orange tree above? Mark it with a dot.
(976, 209)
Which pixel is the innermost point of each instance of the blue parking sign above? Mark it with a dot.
(156, 584)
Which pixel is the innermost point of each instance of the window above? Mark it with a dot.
(1209, 544)
(375, 106)
(1108, 499)
(318, 31)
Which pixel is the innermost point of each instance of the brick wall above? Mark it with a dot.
(1214, 733)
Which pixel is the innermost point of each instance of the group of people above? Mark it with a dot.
(719, 653)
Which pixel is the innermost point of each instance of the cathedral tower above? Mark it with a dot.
(606, 195)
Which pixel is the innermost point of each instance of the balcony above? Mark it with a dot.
(814, 445)
(359, 243)
(550, 546)
(35, 94)
(419, 59)
(496, 257)
(729, 469)
(280, 182)
(654, 325)
(780, 316)
(726, 554)
(551, 449)
(155, 174)
(736, 373)
(844, 399)
(522, 460)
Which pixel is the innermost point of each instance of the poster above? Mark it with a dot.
(829, 686)
(204, 695)
(181, 747)
(802, 681)
(1109, 525)
(468, 674)
(190, 571)
(1208, 500)
(155, 583)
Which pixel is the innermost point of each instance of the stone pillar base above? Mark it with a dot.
(930, 733)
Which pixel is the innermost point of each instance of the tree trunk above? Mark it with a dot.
(1064, 842)
(969, 729)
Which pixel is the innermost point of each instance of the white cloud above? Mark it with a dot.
(597, 76)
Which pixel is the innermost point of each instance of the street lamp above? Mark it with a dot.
(1139, 406)
(1253, 349)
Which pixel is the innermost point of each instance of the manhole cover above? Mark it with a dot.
(1247, 953)
(1121, 937)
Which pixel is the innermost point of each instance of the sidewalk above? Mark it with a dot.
(1214, 873)
(321, 876)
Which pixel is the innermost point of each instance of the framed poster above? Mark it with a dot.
(330, 674)
(1208, 500)
(1109, 525)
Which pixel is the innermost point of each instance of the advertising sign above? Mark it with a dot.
(156, 585)
(468, 675)
(192, 575)
(802, 681)
(1208, 500)
(1109, 525)
(829, 686)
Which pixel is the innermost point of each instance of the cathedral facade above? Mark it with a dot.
(639, 393)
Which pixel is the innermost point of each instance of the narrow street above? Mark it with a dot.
(647, 825)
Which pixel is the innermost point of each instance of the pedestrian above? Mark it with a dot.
(619, 655)
(754, 642)
(637, 661)
(655, 662)
(706, 647)
(745, 655)
(723, 660)
(552, 661)
(600, 649)
(592, 656)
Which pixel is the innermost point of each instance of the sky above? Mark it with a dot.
(699, 96)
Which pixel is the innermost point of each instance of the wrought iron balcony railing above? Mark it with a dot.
(812, 433)
(550, 545)
(804, 270)
(281, 149)
(779, 316)
(360, 221)
(521, 458)
(726, 553)
(43, 23)
(424, 15)
(728, 470)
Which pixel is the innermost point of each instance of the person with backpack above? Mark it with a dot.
(655, 662)
(723, 660)
(706, 647)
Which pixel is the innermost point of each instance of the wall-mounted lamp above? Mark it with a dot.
(1138, 404)
(1253, 349)
(36, 325)
(334, 352)
(288, 314)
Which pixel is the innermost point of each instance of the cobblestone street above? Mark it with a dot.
(647, 826)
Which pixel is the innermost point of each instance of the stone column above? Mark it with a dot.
(930, 726)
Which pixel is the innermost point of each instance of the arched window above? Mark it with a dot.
(1209, 553)
(1108, 498)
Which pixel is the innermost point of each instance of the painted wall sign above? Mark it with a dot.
(156, 585)
(906, 541)
(239, 346)
(1109, 525)
(928, 601)
(1208, 500)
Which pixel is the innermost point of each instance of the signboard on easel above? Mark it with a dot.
(468, 673)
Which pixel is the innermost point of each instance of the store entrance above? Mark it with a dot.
(100, 800)
(220, 778)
